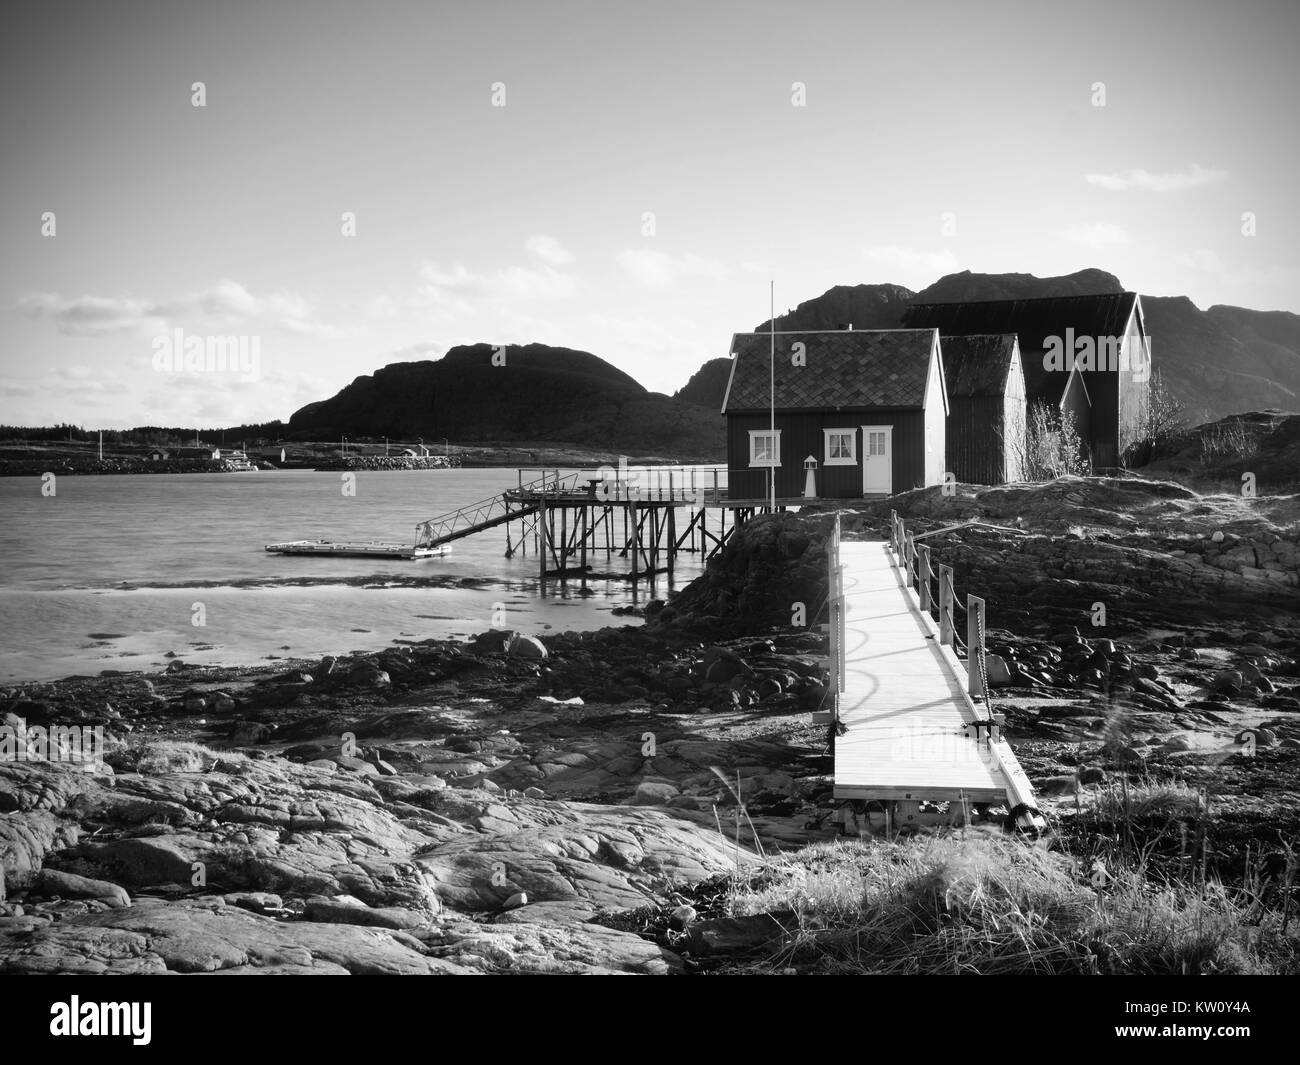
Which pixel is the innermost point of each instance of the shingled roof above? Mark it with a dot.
(1033, 321)
(978, 365)
(844, 369)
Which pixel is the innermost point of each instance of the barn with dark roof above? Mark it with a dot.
(1089, 355)
(865, 408)
(986, 408)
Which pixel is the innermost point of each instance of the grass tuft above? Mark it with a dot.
(991, 905)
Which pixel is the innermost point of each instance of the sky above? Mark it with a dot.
(623, 179)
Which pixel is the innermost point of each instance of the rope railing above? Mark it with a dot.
(928, 580)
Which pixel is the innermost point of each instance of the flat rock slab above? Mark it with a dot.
(205, 937)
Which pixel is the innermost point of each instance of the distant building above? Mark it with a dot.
(159, 454)
(867, 408)
(1089, 355)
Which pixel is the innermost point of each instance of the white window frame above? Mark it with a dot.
(754, 435)
(852, 434)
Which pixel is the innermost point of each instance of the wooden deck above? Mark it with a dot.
(911, 731)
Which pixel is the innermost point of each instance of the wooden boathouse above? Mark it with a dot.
(862, 411)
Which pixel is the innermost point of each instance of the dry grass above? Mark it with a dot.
(157, 757)
(1126, 801)
(991, 905)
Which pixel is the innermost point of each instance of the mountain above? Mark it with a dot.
(860, 306)
(955, 288)
(540, 394)
(706, 385)
(1222, 361)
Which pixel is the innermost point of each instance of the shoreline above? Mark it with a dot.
(459, 456)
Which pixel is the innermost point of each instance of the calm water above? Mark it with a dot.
(112, 571)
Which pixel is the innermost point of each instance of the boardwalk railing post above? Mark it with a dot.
(832, 619)
(974, 643)
(893, 531)
(945, 606)
(923, 551)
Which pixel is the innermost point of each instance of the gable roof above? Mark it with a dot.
(1033, 321)
(845, 368)
(978, 365)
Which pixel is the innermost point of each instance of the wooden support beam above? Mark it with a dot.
(672, 532)
(974, 642)
(564, 541)
(583, 559)
(946, 632)
(541, 524)
(636, 542)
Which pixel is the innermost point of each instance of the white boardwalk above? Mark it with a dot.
(910, 732)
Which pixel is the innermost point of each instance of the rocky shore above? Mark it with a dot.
(568, 803)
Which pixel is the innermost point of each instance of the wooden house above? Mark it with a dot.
(1089, 355)
(986, 409)
(866, 409)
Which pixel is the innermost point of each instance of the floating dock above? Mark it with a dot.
(357, 549)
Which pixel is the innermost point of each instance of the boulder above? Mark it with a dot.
(336, 911)
(726, 935)
(51, 882)
(653, 793)
(998, 672)
(1227, 681)
(527, 647)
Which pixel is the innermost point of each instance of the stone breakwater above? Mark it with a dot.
(385, 462)
(75, 465)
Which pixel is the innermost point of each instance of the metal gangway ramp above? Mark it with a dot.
(511, 505)
(916, 742)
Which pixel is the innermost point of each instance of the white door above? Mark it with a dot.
(877, 459)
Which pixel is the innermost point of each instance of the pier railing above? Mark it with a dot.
(688, 485)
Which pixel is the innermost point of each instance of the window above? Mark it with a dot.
(876, 443)
(841, 447)
(764, 447)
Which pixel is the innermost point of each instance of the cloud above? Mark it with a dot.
(1202, 259)
(459, 289)
(1149, 182)
(415, 353)
(228, 305)
(92, 315)
(909, 262)
(1096, 234)
(549, 250)
(656, 269)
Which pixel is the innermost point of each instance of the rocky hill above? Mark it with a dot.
(707, 385)
(1222, 361)
(540, 394)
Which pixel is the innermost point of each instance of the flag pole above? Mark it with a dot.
(771, 478)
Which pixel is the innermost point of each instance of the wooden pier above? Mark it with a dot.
(916, 740)
(642, 516)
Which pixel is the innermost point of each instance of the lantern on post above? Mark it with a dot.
(810, 478)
